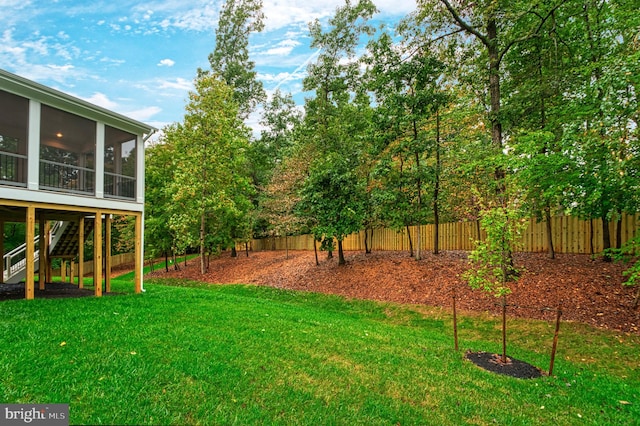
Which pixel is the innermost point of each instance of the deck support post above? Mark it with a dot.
(42, 248)
(29, 281)
(2, 251)
(107, 253)
(48, 271)
(97, 254)
(81, 252)
(138, 254)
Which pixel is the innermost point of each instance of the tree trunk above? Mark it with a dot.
(547, 218)
(591, 248)
(619, 230)
(504, 329)
(315, 250)
(436, 189)
(494, 87)
(606, 239)
(418, 241)
(246, 248)
(203, 260)
(234, 251)
(410, 241)
(174, 258)
(166, 261)
(543, 124)
(341, 260)
(366, 241)
(419, 189)
(286, 245)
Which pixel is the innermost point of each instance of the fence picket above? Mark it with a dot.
(570, 235)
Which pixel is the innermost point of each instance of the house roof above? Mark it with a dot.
(46, 95)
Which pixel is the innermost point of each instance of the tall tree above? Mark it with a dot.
(482, 33)
(406, 88)
(230, 58)
(282, 195)
(602, 134)
(210, 189)
(496, 27)
(337, 116)
(279, 121)
(159, 237)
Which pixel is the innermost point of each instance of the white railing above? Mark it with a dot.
(15, 262)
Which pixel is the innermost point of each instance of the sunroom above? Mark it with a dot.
(68, 166)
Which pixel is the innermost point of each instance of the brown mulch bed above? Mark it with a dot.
(513, 367)
(589, 291)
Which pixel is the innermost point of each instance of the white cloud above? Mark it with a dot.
(290, 42)
(279, 51)
(108, 60)
(102, 100)
(194, 15)
(203, 15)
(298, 73)
(396, 7)
(144, 114)
(17, 56)
(77, 51)
(283, 48)
(14, 3)
(166, 63)
(177, 84)
(283, 13)
(283, 76)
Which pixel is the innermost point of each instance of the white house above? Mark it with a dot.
(66, 162)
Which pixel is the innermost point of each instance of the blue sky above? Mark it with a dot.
(139, 58)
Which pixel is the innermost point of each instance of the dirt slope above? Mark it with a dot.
(589, 291)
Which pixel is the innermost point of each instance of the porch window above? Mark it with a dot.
(67, 152)
(14, 124)
(119, 164)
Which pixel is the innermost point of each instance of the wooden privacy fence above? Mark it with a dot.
(570, 235)
(116, 260)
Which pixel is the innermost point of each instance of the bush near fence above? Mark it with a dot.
(570, 235)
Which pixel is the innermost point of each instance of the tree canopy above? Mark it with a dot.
(465, 111)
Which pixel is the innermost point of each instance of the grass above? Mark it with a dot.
(189, 353)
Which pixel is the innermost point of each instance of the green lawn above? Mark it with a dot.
(188, 353)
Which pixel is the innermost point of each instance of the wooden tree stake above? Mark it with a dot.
(455, 320)
(555, 341)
